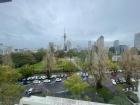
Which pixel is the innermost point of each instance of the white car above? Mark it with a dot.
(120, 71)
(36, 77)
(29, 78)
(113, 82)
(47, 81)
(30, 91)
(43, 77)
(58, 80)
(53, 76)
(36, 81)
(133, 80)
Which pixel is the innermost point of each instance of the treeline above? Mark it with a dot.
(20, 59)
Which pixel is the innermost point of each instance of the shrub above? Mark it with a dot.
(133, 97)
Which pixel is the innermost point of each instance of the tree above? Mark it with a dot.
(71, 53)
(49, 60)
(1, 60)
(97, 64)
(111, 65)
(75, 85)
(22, 58)
(7, 60)
(130, 62)
(60, 54)
(39, 55)
(82, 55)
(9, 90)
(26, 70)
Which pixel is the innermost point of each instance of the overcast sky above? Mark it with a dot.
(33, 23)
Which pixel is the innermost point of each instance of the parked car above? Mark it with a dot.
(54, 76)
(113, 82)
(123, 79)
(120, 80)
(120, 70)
(117, 81)
(62, 75)
(36, 81)
(133, 80)
(42, 77)
(47, 81)
(58, 80)
(29, 78)
(29, 91)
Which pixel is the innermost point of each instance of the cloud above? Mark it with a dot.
(33, 23)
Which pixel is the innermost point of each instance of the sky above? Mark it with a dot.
(35, 23)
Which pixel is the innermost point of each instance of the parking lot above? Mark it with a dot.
(41, 84)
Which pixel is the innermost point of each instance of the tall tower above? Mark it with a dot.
(65, 38)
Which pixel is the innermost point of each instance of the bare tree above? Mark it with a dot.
(49, 60)
(130, 62)
(97, 63)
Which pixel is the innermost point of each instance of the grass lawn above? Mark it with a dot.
(38, 66)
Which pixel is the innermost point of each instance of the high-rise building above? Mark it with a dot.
(137, 41)
(89, 45)
(100, 42)
(116, 46)
(116, 43)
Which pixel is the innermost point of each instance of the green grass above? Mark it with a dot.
(38, 66)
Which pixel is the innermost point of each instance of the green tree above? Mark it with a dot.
(82, 55)
(10, 92)
(111, 65)
(39, 55)
(60, 54)
(26, 70)
(75, 85)
(22, 58)
(71, 53)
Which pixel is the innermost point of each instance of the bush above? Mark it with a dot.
(133, 97)
(69, 67)
(105, 93)
(120, 99)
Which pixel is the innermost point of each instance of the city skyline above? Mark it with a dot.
(36, 23)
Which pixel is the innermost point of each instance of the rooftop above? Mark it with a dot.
(35, 100)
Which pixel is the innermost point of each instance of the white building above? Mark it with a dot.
(137, 41)
(34, 100)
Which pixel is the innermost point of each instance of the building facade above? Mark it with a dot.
(137, 41)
